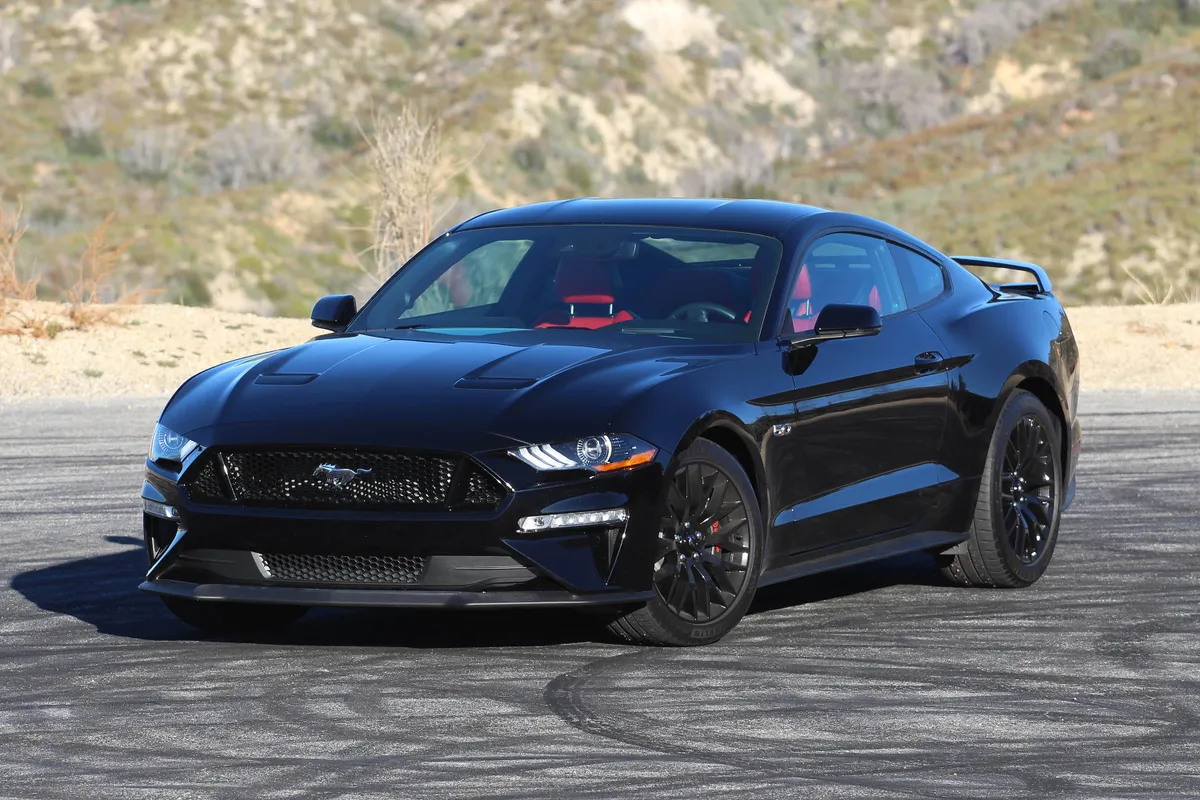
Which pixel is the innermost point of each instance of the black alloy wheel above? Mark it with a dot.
(1015, 527)
(1027, 491)
(703, 547)
(706, 554)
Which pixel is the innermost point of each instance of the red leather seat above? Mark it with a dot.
(801, 304)
(586, 286)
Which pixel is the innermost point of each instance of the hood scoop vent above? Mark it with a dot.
(484, 382)
(285, 378)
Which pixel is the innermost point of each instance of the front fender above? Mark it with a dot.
(726, 402)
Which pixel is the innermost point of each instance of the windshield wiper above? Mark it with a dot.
(410, 327)
(676, 332)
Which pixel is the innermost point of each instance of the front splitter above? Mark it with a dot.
(393, 598)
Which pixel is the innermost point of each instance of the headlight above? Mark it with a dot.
(598, 453)
(168, 445)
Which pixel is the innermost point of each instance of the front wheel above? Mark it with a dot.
(708, 553)
(226, 617)
(1016, 517)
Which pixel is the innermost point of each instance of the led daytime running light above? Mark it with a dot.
(573, 519)
(160, 510)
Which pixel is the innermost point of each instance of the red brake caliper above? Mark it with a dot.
(716, 549)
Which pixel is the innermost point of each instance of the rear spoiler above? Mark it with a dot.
(1041, 283)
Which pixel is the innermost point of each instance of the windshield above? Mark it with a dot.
(687, 282)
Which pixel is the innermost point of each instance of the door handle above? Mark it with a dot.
(928, 362)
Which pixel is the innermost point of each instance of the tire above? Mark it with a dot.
(1012, 536)
(226, 617)
(720, 566)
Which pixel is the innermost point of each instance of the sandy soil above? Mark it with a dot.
(153, 350)
(158, 346)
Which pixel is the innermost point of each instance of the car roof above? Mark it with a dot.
(767, 217)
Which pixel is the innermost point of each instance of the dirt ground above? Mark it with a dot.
(156, 347)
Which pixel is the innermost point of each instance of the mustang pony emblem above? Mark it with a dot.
(337, 476)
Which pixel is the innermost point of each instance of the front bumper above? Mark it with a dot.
(390, 598)
(472, 559)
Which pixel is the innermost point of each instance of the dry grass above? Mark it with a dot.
(11, 231)
(1158, 292)
(91, 300)
(97, 270)
(19, 316)
(413, 170)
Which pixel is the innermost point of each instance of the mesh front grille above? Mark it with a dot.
(482, 491)
(345, 479)
(207, 483)
(343, 569)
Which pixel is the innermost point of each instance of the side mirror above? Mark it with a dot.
(838, 321)
(333, 313)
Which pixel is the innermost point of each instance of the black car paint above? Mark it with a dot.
(857, 447)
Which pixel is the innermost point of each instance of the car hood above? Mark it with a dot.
(421, 389)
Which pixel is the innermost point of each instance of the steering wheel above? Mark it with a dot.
(698, 312)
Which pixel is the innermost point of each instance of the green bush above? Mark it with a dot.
(1116, 52)
(38, 86)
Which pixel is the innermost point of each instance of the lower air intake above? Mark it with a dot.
(343, 569)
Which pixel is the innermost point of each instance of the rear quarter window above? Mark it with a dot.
(923, 278)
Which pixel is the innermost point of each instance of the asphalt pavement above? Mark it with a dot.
(876, 681)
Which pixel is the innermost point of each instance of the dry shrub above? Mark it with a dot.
(1153, 291)
(11, 231)
(413, 171)
(91, 300)
(18, 315)
(256, 151)
(993, 25)
(82, 118)
(153, 153)
(10, 44)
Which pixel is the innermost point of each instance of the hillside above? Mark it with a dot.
(228, 135)
(1101, 186)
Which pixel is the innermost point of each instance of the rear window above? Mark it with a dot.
(692, 252)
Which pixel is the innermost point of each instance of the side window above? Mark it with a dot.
(845, 268)
(477, 280)
(923, 278)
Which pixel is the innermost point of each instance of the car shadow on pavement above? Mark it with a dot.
(913, 569)
(102, 592)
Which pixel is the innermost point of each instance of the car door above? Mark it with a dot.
(858, 459)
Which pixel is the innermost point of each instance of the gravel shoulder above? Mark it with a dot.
(154, 348)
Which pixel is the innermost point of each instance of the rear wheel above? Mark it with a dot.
(1016, 517)
(223, 617)
(708, 553)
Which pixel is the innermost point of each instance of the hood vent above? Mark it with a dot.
(285, 379)
(481, 382)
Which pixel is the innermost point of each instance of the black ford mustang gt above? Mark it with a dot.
(652, 406)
